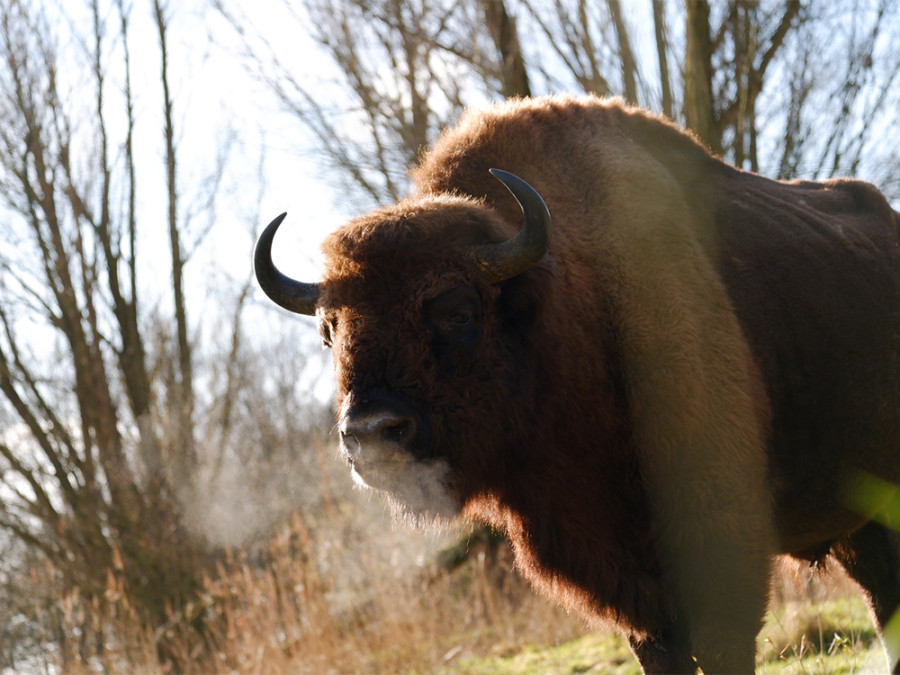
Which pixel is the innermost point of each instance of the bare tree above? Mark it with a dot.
(660, 29)
(183, 390)
(699, 109)
(108, 444)
(90, 455)
(625, 55)
(405, 70)
(502, 28)
(732, 81)
(578, 33)
(867, 63)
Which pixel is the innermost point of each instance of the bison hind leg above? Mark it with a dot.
(871, 556)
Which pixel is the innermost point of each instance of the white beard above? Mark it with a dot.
(418, 490)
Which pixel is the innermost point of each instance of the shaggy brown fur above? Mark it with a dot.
(675, 394)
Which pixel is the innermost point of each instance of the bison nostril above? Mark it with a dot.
(361, 431)
(398, 431)
(350, 443)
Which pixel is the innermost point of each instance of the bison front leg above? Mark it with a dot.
(669, 651)
(699, 416)
(726, 645)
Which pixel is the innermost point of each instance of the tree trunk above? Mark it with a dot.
(626, 57)
(699, 108)
(183, 397)
(502, 27)
(662, 54)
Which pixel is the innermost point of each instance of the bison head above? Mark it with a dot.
(426, 305)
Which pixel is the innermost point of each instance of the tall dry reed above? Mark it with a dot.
(277, 610)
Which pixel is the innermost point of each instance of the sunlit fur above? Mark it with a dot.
(671, 397)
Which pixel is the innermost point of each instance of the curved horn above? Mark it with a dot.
(512, 257)
(295, 296)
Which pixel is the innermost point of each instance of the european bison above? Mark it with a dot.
(674, 386)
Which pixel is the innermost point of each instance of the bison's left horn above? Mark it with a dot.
(512, 257)
(295, 296)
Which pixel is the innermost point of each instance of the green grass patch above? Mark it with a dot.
(594, 653)
(834, 637)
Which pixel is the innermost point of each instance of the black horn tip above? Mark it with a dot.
(292, 295)
(506, 177)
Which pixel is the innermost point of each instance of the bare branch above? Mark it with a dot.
(502, 27)
(791, 11)
(626, 56)
(662, 53)
(184, 393)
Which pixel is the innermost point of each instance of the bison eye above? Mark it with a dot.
(455, 315)
(460, 319)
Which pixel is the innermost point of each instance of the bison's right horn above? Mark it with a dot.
(512, 257)
(295, 296)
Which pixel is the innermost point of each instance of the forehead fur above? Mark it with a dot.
(431, 231)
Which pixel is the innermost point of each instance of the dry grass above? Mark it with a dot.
(323, 598)
(818, 624)
(286, 609)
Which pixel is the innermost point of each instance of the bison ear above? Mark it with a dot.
(524, 298)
